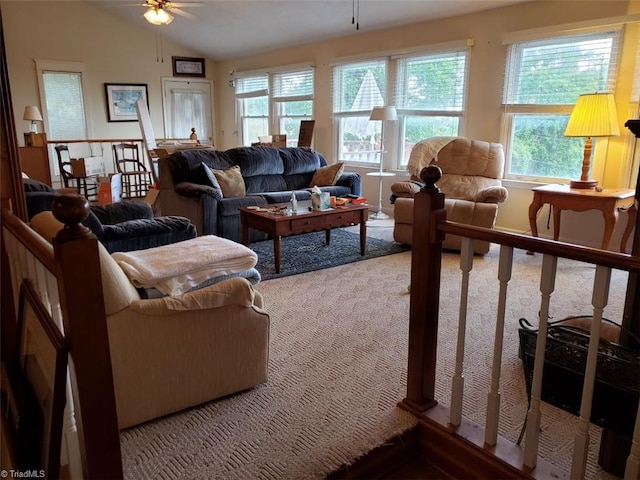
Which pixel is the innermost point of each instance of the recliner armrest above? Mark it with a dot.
(195, 190)
(115, 213)
(234, 291)
(351, 180)
(494, 194)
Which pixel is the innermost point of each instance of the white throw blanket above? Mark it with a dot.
(176, 268)
(424, 152)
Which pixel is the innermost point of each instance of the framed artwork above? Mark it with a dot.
(34, 389)
(188, 67)
(122, 98)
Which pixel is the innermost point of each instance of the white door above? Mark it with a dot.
(188, 104)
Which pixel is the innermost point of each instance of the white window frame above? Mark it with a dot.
(274, 117)
(395, 157)
(510, 110)
(365, 158)
(64, 67)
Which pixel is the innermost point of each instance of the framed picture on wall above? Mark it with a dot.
(122, 98)
(188, 67)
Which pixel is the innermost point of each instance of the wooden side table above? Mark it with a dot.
(562, 197)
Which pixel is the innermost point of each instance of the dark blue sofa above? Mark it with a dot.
(120, 227)
(270, 175)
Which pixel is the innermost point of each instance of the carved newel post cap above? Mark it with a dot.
(71, 209)
(430, 176)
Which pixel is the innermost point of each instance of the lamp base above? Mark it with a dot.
(584, 184)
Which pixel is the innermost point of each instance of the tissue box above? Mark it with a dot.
(320, 201)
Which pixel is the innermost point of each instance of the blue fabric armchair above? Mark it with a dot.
(120, 227)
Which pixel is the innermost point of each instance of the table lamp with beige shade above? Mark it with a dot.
(32, 113)
(594, 115)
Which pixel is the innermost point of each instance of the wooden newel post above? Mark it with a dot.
(426, 259)
(85, 325)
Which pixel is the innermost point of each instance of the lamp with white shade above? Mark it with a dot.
(32, 113)
(594, 115)
(385, 113)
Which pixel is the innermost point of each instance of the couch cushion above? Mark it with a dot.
(300, 160)
(327, 176)
(254, 161)
(265, 183)
(185, 165)
(231, 181)
(212, 181)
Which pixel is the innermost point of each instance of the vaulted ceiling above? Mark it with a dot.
(224, 29)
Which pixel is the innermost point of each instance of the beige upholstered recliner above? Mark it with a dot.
(471, 180)
(175, 352)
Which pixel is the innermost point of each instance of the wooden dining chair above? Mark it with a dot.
(84, 185)
(136, 178)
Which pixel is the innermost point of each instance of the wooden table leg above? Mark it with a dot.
(535, 206)
(245, 235)
(632, 213)
(610, 220)
(363, 237)
(277, 251)
(556, 221)
(327, 236)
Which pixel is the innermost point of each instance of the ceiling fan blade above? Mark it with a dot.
(174, 4)
(183, 13)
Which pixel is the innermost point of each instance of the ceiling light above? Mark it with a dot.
(158, 16)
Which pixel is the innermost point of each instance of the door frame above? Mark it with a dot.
(165, 80)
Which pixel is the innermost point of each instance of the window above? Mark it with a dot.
(274, 103)
(357, 88)
(252, 94)
(293, 101)
(428, 90)
(187, 105)
(64, 102)
(543, 80)
(430, 97)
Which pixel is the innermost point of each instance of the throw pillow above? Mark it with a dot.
(327, 176)
(212, 180)
(231, 181)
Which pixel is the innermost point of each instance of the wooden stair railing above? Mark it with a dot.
(67, 278)
(447, 436)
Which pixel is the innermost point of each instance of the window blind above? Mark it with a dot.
(358, 87)
(434, 82)
(292, 86)
(248, 87)
(555, 71)
(65, 105)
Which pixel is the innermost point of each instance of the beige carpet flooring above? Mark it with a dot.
(338, 368)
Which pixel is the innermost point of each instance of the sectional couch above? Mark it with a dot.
(210, 186)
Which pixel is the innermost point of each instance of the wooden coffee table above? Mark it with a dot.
(276, 223)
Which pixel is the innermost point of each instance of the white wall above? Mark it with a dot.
(116, 52)
(112, 51)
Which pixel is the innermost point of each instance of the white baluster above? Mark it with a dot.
(493, 398)
(547, 285)
(457, 383)
(599, 301)
(632, 468)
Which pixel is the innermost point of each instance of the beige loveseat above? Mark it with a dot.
(471, 180)
(175, 352)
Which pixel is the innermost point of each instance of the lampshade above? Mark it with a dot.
(594, 115)
(384, 113)
(158, 16)
(32, 113)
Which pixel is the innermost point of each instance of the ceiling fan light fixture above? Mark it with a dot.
(158, 16)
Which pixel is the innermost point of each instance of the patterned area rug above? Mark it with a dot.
(309, 252)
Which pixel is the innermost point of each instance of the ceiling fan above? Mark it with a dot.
(158, 10)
